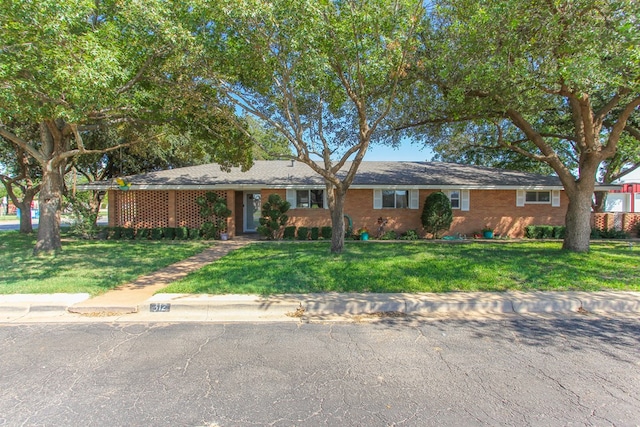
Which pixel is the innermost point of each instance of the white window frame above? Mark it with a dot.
(292, 197)
(412, 198)
(463, 199)
(554, 198)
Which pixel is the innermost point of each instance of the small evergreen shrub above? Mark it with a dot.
(273, 216)
(559, 231)
(289, 232)
(194, 233)
(325, 232)
(636, 229)
(389, 235)
(315, 233)
(168, 233)
(208, 230)
(142, 234)
(546, 232)
(436, 214)
(117, 233)
(606, 233)
(303, 233)
(156, 233)
(181, 233)
(410, 235)
(128, 233)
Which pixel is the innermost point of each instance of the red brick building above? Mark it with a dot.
(504, 200)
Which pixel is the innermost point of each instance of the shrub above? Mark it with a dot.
(303, 233)
(181, 233)
(558, 231)
(315, 233)
(168, 233)
(128, 233)
(325, 232)
(289, 232)
(636, 228)
(530, 232)
(389, 235)
(546, 232)
(208, 230)
(156, 233)
(83, 218)
(409, 235)
(214, 210)
(606, 233)
(194, 233)
(273, 216)
(142, 234)
(437, 214)
(117, 233)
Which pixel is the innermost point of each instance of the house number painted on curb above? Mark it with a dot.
(161, 307)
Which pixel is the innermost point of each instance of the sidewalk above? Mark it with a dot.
(136, 301)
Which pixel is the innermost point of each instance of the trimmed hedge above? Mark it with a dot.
(303, 233)
(606, 233)
(289, 232)
(315, 233)
(156, 233)
(194, 233)
(128, 233)
(544, 231)
(326, 232)
(142, 234)
(168, 233)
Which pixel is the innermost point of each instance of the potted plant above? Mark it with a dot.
(477, 234)
(487, 232)
(364, 233)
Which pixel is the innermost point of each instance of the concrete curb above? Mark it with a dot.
(358, 304)
(283, 307)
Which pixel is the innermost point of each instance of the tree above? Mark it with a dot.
(274, 216)
(529, 65)
(20, 176)
(72, 66)
(436, 213)
(325, 75)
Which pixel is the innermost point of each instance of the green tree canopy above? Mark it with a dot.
(552, 77)
(69, 66)
(323, 74)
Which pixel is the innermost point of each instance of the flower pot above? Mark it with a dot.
(487, 234)
(224, 236)
(364, 236)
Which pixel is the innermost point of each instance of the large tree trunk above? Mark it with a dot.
(336, 199)
(578, 218)
(26, 225)
(50, 204)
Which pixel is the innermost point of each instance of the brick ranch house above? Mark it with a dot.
(504, 200)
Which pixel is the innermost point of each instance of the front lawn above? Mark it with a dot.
(83, 266)
(274, 268)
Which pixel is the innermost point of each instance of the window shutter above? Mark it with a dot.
(464, 200)
(413, 199)
(291, 198)
(520, 198)
(555, 198)
(377, 199)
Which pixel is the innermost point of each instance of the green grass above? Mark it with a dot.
(83, 266)
(274, 268)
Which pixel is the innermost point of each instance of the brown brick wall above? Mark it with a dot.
(496, 208)
(615, 220)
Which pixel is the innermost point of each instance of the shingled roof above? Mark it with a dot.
(291, 174)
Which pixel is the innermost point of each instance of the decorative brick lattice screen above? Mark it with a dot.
(187, 211)
(618, 221)
(142, 209)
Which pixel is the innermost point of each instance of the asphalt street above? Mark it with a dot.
(511, 370)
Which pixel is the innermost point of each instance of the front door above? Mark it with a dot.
(252, 206)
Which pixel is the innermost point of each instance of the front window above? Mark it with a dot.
(397, 199)
(310, 199)
(538, 197)
(454, 198)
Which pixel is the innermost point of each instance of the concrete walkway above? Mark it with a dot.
(128, 297)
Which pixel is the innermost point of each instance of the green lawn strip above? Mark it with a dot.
(84, 266)
(275, 268)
